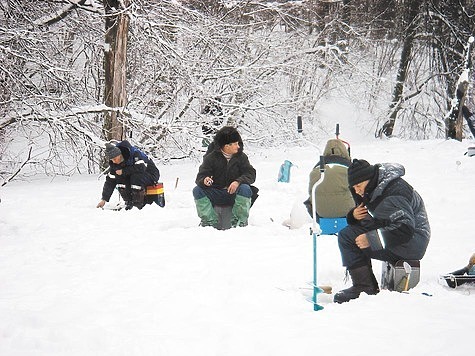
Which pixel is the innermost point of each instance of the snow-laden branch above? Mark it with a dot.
(65, 117)
(89, 5)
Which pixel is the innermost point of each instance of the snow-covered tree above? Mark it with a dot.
(77, 73)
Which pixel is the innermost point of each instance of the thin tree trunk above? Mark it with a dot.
(115, 60)
(454, 122)
(406, 55)
(463, 87)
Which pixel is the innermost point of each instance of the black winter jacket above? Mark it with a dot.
(223, 172)
(397, 214)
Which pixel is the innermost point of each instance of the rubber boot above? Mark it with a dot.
(138, 196)
(206, 212)
(240, 211)
(363, 281)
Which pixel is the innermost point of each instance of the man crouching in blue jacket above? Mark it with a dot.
(389, 223)
(131, 171)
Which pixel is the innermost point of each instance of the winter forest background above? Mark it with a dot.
(77, 73)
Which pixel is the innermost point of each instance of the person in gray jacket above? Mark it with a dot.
(388, 223)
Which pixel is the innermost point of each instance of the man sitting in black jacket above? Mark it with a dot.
(224, 178)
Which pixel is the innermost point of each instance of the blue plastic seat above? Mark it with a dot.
(331, 226)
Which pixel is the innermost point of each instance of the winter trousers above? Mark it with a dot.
(207, 198)
(132, 187)
(220, 196)
(352, 256)
(136, 180)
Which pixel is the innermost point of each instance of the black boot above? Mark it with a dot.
(363, 281)
(138, 196)
(125, 194)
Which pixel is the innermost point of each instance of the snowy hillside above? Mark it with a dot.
(76, 280)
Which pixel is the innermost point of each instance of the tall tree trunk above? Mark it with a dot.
(115, 60)
(454, 122)
(406, 54)
(462, 88)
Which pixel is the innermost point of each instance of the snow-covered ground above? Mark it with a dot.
(76, 280)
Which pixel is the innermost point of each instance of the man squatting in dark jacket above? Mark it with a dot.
(224, 178)
(131, 171)
(389, 223)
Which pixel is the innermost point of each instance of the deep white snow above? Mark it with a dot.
(76, 280)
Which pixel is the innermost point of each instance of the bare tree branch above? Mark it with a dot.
(25, 162)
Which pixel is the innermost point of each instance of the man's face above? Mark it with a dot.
(231, 148)
(117, 159)
(361, 187)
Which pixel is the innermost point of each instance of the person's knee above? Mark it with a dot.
(139, 180)
(342, 234)
(244, 190)
(198, 192)
(347, 235)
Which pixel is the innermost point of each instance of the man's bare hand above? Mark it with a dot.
(208, 181)
(362, 241)
(101, 204)
(233, 187)
(360, 212)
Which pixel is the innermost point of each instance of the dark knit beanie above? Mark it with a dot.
(226, 135)
(359, 171)
(112, 151)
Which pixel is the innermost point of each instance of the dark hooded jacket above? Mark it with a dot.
(397, 214)
(223, 172)
(135, 162)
